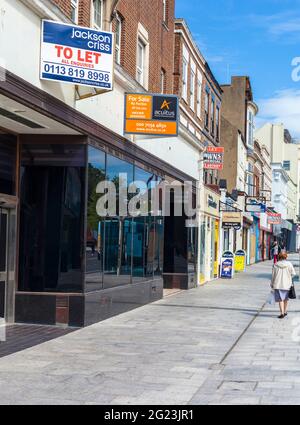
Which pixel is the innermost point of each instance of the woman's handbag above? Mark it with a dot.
(271, 298)
(292, 293)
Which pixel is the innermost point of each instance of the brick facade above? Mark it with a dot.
(161, 39)
(192, 117)
(64, 5)
(84, 15)
(150, 16)
(196, 122)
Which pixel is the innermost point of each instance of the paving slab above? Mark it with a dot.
(217, 344)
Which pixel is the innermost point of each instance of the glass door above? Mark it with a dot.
(3, 259)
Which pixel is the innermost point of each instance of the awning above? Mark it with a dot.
(286, 225)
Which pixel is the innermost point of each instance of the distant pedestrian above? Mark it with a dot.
(275, 251)
(282, 247)
(282, 281)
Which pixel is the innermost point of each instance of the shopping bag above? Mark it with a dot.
(271, 298)
(292, 293)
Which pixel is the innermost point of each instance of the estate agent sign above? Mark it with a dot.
(77, 55)
(213, 158)
(151, 114)
(274, 218)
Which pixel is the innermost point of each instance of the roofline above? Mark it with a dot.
(182, 21)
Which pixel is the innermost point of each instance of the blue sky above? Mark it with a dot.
(259, 38)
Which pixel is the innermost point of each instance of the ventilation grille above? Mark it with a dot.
(18, 119)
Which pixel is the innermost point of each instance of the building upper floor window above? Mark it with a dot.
(206, 109)
(212, 116)
(74, 10)
(162, 81)
(250, 129)
(199, 95)
(250, 180)
(97, 13)
(184, 78)
(218, 123)
(141, 55)
(118, 39)
(165, 11)
(192, 89)
(286, 165)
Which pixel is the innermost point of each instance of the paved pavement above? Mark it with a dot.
(218, 344)
(18, 337)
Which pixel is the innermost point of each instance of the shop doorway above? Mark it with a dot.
(3, 261)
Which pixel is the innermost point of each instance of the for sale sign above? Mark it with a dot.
(151, 114)
(213, 158)
(77, 55)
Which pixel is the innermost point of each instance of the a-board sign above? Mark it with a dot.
(240, 261)
(227, 265)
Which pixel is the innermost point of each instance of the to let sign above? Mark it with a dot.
(274, 218)
(77, 55)
(151, 114)
(214, 158)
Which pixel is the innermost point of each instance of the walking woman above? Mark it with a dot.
(275, 250)
(282, 281)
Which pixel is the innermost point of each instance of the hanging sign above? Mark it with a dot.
(227, 265)
(232, 219)
(151, 114)
(213, 158)
(274, 218)
(77, 55)
(240, 261)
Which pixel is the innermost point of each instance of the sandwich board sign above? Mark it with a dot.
(227, 265)
(77, 55)
(240, 261)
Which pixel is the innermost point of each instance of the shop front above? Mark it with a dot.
(265, 237)
(60, 261)
(212, 236)
(8, 209)
(246, 235)
(254, 241)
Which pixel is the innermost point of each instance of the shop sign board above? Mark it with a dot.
(227, 265)
(213, 158)
(256, 208)
(151, 114)
(77, 55)
(274, 218)
(212, 200)
(240, 261)
(232, 220)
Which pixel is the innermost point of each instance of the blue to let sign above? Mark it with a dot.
(77, 55)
